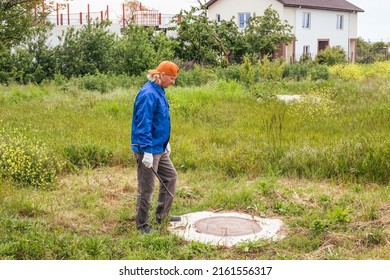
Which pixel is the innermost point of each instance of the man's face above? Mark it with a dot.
(167, 80)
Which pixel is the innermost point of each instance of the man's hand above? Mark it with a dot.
(148, 160)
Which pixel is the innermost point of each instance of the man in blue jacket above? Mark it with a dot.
(150, 133)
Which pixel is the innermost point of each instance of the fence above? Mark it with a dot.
(147, 18)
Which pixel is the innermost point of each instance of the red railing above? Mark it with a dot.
(150, 18)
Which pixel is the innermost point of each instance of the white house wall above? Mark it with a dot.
(353, 23)
(323, 24)
(227, 9)
(323, 27)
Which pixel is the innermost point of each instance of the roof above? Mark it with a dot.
(333, 5)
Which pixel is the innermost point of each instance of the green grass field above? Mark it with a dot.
(321, 164)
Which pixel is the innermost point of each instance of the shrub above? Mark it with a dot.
(319, 72)
(26, 162)
(98, 82)
(271, 70)
(297, 71)
(230, 73)
(196, 77)
(331, 56)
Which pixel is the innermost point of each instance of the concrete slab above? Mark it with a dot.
(226, 228)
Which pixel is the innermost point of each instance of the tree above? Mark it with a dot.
(134, 52)
(17, 17)
(230, 41)
(193, 36)
(87, 50)
(265, 33)
(33, 60)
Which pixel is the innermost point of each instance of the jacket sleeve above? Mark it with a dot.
(144, 120)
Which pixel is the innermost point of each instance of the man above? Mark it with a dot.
(151, 128)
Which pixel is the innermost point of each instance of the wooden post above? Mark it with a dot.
(159, 19)
(43, 12)
(108, 18)
(67, 7)
(89, 15)
(57, 13)
(81, 18)
(101, 16)
(123, 15)
(62, 19)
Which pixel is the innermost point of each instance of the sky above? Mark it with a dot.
(373, 23)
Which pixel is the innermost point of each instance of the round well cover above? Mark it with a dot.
(227, 226)
(227, 229)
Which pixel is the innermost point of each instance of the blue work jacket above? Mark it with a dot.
(151, 125)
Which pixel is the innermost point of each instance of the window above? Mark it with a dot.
(340, 22)
(218, 17)
(243, 18)
(306, 49)
(306, 19)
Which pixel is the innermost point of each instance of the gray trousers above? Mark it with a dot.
(162, 164)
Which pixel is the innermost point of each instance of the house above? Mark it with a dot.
(316, 23)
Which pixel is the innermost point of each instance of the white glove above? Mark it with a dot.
(168, 149)
(148, 160)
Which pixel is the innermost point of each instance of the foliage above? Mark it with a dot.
(371, 52)
(331, 56)
(264, 34)
(196, 77)
(247, 72)
(5, 65)
(33, 60)
(16, 19)
(164, 47)
(271, 70)
(194, 40)
(98, 82)
(134, 52)
(230, 41)
(319, 72)
(297, 71)
(87, 50)
(357, 72)
(87, 156)
(25, 162)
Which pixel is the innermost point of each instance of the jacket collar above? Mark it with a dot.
(159, 89)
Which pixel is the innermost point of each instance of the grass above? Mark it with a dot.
(320, 165)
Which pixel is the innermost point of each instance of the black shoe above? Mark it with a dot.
(170, 219)
(175, 219)
(146, 229)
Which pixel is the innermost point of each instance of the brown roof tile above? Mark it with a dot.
(334, 5)
(337, 5)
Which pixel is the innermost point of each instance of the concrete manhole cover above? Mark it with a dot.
(227, 226)
(227, 229)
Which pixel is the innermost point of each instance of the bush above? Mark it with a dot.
(98, 82)
(271, 70)
(331, 56)
(230, 73)
(196, 77)
(319, 72)
(297, 71)
(25, 162)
